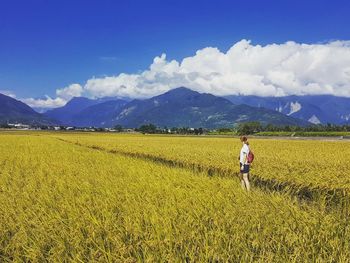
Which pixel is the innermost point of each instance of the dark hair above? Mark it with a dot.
(244, 139)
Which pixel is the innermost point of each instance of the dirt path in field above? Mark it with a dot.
(338, 199)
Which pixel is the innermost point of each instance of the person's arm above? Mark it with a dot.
(245, 157)
(244, 160)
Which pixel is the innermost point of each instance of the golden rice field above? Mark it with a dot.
(85, 198)
(316, 164)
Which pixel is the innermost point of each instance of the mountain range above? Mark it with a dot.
(14, 111)
(313, 108)
(183, 107)
(180, 107)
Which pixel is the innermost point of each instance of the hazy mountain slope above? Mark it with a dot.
(315, 108)
(74, 106)
(98, 115)
(14, 111)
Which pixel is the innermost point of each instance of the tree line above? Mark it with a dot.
(242, 128)
(256, 127)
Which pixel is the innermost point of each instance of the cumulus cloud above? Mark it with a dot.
(73, 90)
(62, 97)
(45, 103)
(247, 69)
(161, 76)
(272, 70)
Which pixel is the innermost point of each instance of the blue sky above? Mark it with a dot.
(47, 45)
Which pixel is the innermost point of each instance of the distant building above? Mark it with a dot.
(128, 130)
(19, 126)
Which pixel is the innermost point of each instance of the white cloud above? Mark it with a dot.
(159, 78)
(63, 96)
(46, 103)
(271, 70)
(73, 90)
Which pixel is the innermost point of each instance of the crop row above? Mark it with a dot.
(310, 166)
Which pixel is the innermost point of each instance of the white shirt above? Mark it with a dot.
(244, 151)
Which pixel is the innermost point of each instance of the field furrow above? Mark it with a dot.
(301, 168)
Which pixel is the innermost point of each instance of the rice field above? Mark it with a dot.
(315, 164)
(98, 198)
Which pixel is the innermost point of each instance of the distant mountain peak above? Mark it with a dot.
(78, 100)
(14, 111)
(179, 92)
(181, 89)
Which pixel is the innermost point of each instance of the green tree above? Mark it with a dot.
(148, 128)
(118, 128)
(249, 128)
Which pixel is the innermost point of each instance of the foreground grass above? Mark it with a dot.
(60, 202)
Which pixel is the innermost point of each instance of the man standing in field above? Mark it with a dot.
(244, 164)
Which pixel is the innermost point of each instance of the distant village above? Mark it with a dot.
(21, 126)
(148, 128)
(247, 128)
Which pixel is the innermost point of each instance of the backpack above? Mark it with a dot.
(250, 157)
